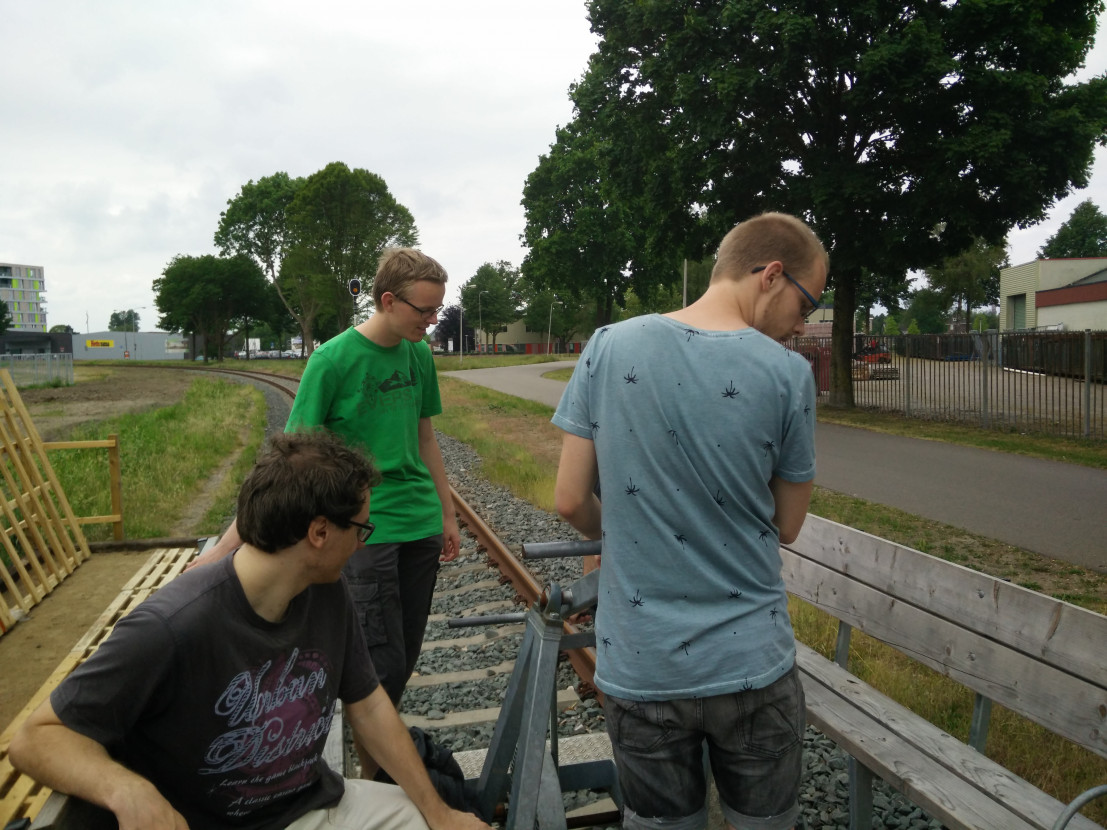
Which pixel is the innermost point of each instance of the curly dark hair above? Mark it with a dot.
(299, 477)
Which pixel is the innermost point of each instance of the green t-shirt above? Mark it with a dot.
(374, 397)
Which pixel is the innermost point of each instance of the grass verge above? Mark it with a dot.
(520, 450)
(166, 455)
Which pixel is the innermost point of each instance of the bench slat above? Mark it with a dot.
(1056, 632)
(939, 773)
(1063, 703)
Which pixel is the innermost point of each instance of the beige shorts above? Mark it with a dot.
(366, 805)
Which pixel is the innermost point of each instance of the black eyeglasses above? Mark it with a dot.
(426, 312)
(815, 304)
(364, 530)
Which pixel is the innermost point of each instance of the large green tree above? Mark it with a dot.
(347, 218)
(123, 320)
(971, 278)
(901, 131)
(491, 299)
(205, 295)
(1084, 234)
(928, 310)
(255, 224)
(579, 236)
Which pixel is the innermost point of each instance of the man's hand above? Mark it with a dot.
(142, 807)
(451, 540)
(456, 820)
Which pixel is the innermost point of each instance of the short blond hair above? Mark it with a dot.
(400, 267)
(765, 238)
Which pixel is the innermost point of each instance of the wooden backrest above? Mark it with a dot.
(1033, 654)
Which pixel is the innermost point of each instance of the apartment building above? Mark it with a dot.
(23, 288)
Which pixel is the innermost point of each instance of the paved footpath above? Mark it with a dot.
(1052, 508)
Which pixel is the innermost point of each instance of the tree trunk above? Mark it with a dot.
(841, 343)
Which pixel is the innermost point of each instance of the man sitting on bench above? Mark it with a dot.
(209, 705)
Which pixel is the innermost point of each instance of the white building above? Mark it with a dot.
(1066, 294)
(23, 288)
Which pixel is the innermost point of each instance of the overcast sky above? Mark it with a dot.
(128, 126)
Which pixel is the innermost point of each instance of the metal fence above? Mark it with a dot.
(1051, 382)
(39, 369)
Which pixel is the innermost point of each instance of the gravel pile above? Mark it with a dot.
(824, 790)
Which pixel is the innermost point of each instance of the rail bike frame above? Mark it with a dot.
(522, 761)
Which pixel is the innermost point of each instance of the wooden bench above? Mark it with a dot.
(1037, 656)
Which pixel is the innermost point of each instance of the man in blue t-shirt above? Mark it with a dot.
(209, 705)
(699, 428)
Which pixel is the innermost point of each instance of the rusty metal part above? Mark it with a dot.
(583, 659)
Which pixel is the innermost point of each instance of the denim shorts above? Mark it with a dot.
(754, 740)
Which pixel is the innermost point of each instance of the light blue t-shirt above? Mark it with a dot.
(689, 426)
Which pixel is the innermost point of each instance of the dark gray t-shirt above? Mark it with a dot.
(224, 711)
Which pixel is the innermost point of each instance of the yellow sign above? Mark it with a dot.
(100, 344)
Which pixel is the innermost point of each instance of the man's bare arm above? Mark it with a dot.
(54, 755)
(228, 542)
(792, 499)
(432, 458)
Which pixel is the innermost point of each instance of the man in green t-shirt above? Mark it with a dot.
(375, 385)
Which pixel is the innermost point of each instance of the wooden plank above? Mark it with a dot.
(21, 484)
(42, 513)
(927, 784)
(76, 546)
(1064, 703)
(1056, 632)
(102, 443)
(877, 717)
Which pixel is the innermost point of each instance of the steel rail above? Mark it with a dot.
(528, 590)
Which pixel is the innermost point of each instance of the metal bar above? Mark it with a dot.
(981, 720)
(1087, 383)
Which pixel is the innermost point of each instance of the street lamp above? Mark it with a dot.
(549, 331)
(480, 317)
(460, 329)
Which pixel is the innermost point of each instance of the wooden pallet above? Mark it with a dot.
(20, 796)
(39, 533)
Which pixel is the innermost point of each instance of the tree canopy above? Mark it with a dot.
(491, 299)
(901, 132)
(1083, 235)
(971, 278)
(123, 320)
(315, 234)
(347, 218)
(205, 295)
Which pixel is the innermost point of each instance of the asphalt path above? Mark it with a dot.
(1052, 508)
